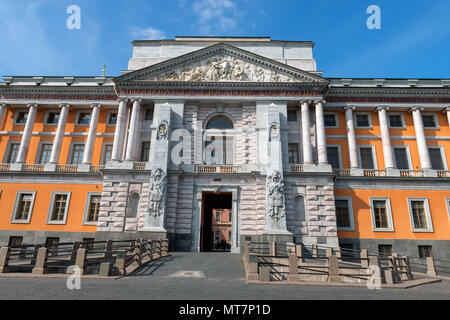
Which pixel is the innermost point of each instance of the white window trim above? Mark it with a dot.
(408, 155)
(109, 116)
(430, 228)
(447, 201)
(72, 146)
(78, 118)
(86, 208)
(339, 153)
(39, 150)
(336, 117)
(16, 207)
(52, 204)
(442, 150)
(102, 156)
(436, 120)
(369, 115)
(46, 117)
(8, 149)
(350, 212)
(374, 155)
(390, 227)
(16, 114)
(402, 116)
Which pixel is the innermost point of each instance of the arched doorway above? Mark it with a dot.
(219, 141)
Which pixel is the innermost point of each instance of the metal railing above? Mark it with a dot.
(296, 168)
(218, 169)
(139, 165)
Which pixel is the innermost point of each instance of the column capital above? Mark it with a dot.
(136, 100)
(379, 108)
(447, 109)
(415, 108)
(126, 100)
(353, 108)
(67, 105)
(33, 105)
(96, 105)
(4, 105)
(316, 102)
(305, 101)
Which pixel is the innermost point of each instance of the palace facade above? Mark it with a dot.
(246, 126)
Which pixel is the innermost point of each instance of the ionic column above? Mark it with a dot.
(2, 112)
(351, 137)
(306, 138)
(321, 138)
(134, 127)
(87, 155)
(388, 152)
(25, 143)
(447, 110)
(424, 154)
(56, 149)
(119, 134)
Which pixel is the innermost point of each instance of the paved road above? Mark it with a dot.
(224, 279)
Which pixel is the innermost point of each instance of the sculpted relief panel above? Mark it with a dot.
(224, 68)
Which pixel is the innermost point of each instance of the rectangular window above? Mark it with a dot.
(77, 154)
(217, 235)
(425, 251)
(145, 153)
(395, 121)
(148, 115)
(112, 119)
(362, 121)
(401, 158)
(15, 242)
(13, 152)
(330, 120)
(343, 214)
(366, 155)
(418, 214)
(107, 153)
(292, 115)
(333, 157)
(84, 118)
(385, 250)
(46, 152)
(229, 216)
(52, 118)
(436, 159)
(218, 215)
(381, 215)
(429, 121)
(21, 117)
(23, 210)
(293, 153)
(92, 208)
(59, 208)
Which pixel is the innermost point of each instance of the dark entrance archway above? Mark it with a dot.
(216, 225)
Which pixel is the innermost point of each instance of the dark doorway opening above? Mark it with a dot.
(216, 227)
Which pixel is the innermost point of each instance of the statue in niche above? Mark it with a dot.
(162, 130)
(274, 132)
(275, 196)
(157, 196)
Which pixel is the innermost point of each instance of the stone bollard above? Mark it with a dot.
(120, 262)
(290, 247)
(375, 261)
(329, 252)
(252, 271)
(273, 249)
(389, 277)
(293, 267)
(4, 257)
(315, 251)
(247, 245)
(80, 261)
(364, 258)
(299, 251)
(405, 269)
(41, 262)
(338, 252)
(264, 274)
(394, 266)
(333, 269)
(431, 269)
(105, 269)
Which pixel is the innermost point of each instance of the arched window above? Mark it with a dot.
(300, 208)
(219, 145)
(220, 122)
(133, 205)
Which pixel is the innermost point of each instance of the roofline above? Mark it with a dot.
(381, 78)
(222, 39)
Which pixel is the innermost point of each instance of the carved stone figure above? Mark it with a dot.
(157, 196)
(162, 130)
(274, 132)
(275, 196)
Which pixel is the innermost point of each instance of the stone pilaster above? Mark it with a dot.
(306, 137)
(321, 138)
(351, 138)
(56, 149)
(87, 156)
(119, 135)
(388, 152)
(134, 130)
(422, 146)
(26, 137)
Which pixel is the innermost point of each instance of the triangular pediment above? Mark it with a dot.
(221, 63)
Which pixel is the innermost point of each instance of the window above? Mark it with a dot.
(92, 208)
(133, 205)
(15, 242)
(220, 122)
(221, 152)
(333, 157)
(344, 213)
(401, 159)
(52, 118)
(396, 121)
(13, 152)
(77, 154)
(112, 119)
(23, 207)
(145, 153)
(420, 215)
(46, 152)
(293, 153)
(218, 215)
(429, 121)
(21, 117)
(84, 118)
(148, 115)
(436, 158)
(385, 250)
(363, 120)
(229, 216)
(59, 206)
(300, 208)
(107, 153)
(330, 120)
(292, 115)
(366, 157)
(381, 214)
(425, 251)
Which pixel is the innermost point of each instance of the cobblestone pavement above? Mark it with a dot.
(223, 279)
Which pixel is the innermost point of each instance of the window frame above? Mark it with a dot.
(87, 207)
(402, 116)
(389, 217)
(16, 207)
(16, 115)
(443, 158)
(374, 156)
(338, 146)
(447, 201)
(436, 121)
(77, 118)
(108, 118)
(289, 152)
(40, 149)
(47, 113)
(350, 212)
(52, 205)
(102, 156)
(369, 117)
(427, 212)
(336, 118)
(72, 150)
(408, 156)
(8, 150)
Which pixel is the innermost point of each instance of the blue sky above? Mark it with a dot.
(414, 40)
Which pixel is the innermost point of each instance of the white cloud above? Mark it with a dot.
(148, 34)
(220, 15)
